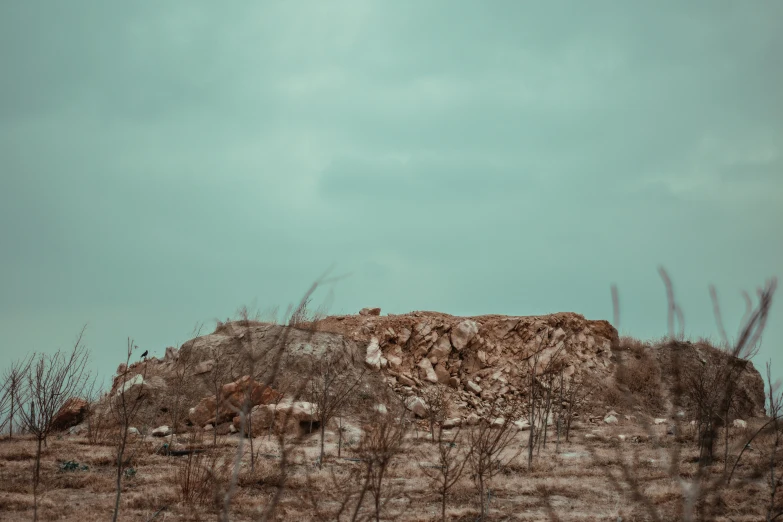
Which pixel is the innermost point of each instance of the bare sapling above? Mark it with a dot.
(436, 404)
(125, 407)
(491, 449)
(222, 372)
(12, 393)
(449, 465)
(264, 364)
(331, 385)
(538, 393)
(381, 445)
(183, 370)
(50, 381)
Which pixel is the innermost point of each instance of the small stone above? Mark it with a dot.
(452, 423)
(659, 421)
(739, 423)
(454, 382)
(473, 387)
(406, 380)
(610, 419)
(472, 420)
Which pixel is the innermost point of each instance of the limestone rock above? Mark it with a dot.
(442, 374)
(441, 350)
(739, 423)
(370, 311)
(473, 387)
(452, 423)
(610, 419)
(463, 333)
(161, 431)
(417, 406)
(429, 372)
(373, 359)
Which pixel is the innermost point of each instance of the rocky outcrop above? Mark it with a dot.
(480, 358)
(232, 396)
(71, 413)
(292, 417)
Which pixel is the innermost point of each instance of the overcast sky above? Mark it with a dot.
(163, 163)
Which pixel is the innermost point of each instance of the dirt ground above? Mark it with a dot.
(596, 476)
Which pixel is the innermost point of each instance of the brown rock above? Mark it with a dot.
(72, 413)
(442, 374)
(370, 311)
(232, 395)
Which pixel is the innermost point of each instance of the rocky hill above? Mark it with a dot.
(480, 359)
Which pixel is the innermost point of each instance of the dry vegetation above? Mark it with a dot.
(542, 454)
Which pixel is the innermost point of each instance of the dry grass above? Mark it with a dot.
(584, 482)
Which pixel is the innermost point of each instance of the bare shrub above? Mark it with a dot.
(449, 466)
(490, 447)
(202, 475)
(641, 375)
(125, 407)
(50, 381)
(12, 392)
(436, 403)
(383, 442)
(330, 386)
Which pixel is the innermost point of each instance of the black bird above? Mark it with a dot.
(145, 353)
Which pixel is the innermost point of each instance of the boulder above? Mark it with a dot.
(417, 406)
(373, 358)
(285, 416)
(71, 413)
(370, 311)
(232, 396)
(441, 350)
(472, 420)
(610, 419)
(161, 431)
(429, 372)
(739, 423)
(442, 374)
(463, 333)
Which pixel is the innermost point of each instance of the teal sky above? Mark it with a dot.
(162, 163)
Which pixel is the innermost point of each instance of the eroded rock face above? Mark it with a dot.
(73, 412)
